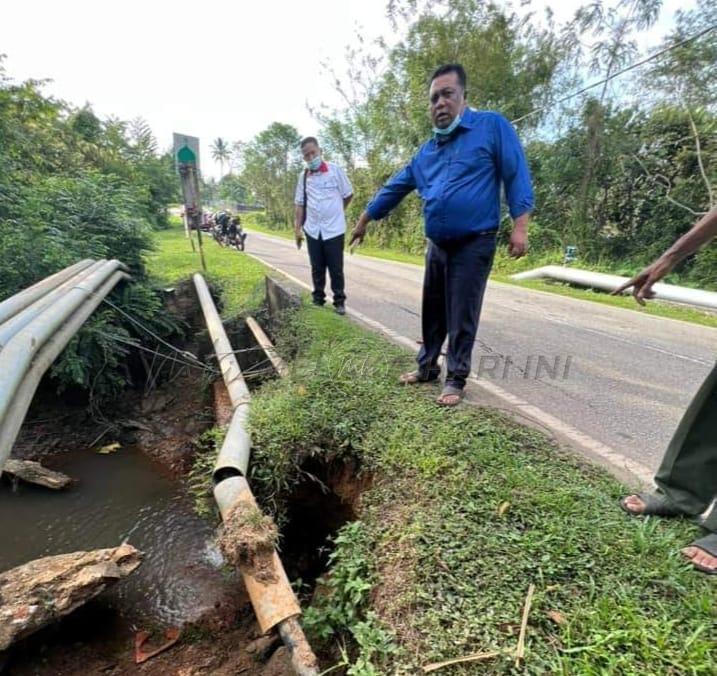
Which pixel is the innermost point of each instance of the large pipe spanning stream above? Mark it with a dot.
(274, 602)
(36, 325)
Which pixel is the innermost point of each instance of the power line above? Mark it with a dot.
(618, 73)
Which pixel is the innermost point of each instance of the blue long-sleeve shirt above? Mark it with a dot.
(459, 178)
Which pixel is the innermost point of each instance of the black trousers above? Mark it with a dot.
(453, 286)
(323, 254)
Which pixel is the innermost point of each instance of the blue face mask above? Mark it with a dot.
(449, 129)
(314, 164)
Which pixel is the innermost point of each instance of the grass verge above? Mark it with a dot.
(653, 308)
(465, 511)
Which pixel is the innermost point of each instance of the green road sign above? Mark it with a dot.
(186, 156)
(186, 150)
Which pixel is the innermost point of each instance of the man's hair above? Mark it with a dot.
(307, 140)
(451, 68)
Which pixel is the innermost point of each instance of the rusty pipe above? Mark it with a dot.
(277, 362)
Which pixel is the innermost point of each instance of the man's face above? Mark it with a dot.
(447, 99)
(310, 151)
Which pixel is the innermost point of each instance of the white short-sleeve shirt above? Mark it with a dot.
(326, 190)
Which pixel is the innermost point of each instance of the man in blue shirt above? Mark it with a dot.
(458, 175)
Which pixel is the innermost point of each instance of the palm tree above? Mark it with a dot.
(221, 152)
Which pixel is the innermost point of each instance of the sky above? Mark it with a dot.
(207, 69)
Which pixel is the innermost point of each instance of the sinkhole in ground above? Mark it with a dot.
(323, 501)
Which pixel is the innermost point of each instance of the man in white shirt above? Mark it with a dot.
(322, 193)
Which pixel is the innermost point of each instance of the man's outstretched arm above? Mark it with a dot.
(384, 201)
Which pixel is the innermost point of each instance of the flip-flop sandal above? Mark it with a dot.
(415, 377)
(707, 544)
(656, 504)
(450, 391)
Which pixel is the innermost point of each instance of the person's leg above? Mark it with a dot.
(318, 268)
(334, 254)
(433, 312)
(687, 476)
(467, 274)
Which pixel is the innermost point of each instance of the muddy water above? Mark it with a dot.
(118, 497)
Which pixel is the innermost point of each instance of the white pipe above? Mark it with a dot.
(43, 359)
(605, 282)
(24, 317)
(233, 457)
(18, 353)
(11, 306)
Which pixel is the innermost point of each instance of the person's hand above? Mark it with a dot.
(642, 282)
(518, 245)
(299, 237)
(359, 232)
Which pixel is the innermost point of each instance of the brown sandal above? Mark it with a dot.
(450, 391)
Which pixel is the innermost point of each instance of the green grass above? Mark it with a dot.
(240, 277)
(435, 568)
(465, 510)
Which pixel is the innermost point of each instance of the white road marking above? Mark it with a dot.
(582, 441)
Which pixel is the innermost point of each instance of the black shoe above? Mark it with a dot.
(318, 303)
(340, 309)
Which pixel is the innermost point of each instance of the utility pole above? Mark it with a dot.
(187, 165)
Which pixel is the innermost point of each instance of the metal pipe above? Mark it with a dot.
(233, 456)
(277, 362)
(605, 282)
(273, 599)
(43, 359)
(274, 602)
(16, 356)
(11, 306)
(24, 317)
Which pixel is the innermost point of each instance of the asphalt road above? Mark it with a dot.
(623, 379)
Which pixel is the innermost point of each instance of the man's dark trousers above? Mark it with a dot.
(453, 286)
(327, 253)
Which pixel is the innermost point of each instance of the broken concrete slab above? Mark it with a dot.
(42, 591)
(34, 473)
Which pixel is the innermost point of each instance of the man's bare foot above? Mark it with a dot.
(701, 559)
(634, 504)
(649, 504)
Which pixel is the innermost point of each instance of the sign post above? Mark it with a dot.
(186, 155)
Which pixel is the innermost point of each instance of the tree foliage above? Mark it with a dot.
(74, 186)
(271, 164)
(617, 174)
(221, 152)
